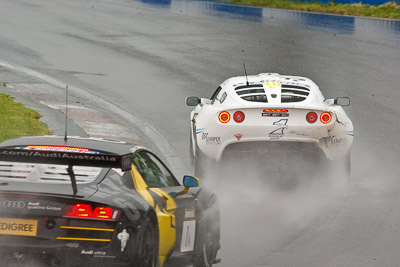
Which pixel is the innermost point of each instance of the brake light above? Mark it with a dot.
(86, 211)
(238, 116)
(276, 110)
(82, 210)
(103, 212)
(224, 117)
(312, 117)
(55, 148)
(325, 117)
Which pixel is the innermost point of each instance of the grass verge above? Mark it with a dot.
(390, 10)
(17, 120)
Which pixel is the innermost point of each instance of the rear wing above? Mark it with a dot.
(71, 156)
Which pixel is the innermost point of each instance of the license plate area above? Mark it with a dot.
(274, 114)
(19, 227)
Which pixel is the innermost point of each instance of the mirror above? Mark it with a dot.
(190, 181)
(342, 101)
(192, 101)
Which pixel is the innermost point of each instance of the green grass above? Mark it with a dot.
(17, 120)
(389, 10)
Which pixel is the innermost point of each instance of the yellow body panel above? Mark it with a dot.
(165, 214)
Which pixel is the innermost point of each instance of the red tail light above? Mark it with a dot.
(81, 210)
(238, 116)
(224, 117)
(326, 117)
(276, 110)
(312, 117)
(86, 211)
(103, 212)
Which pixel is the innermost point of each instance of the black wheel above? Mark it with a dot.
(148, 248)
(207, 238)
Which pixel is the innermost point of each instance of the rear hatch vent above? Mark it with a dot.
(252, 93)
(44, 173)
(15, 170)
(294, 93)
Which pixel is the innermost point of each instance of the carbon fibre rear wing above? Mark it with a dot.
(66, 155)
(73, 156)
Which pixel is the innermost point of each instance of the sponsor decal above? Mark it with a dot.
(275, 114)
(98, 253)
(278, 133)
(59, 155)
(38, 206)
(238, 136)
(249, 83)
(297, 84)
(211, 140)
(124, 237)
(200, 130)
(87, 252)
(276, 81)
(334, 141)
(13, 204)
(351, 133)
(18, 227)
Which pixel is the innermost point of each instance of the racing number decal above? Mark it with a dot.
(188, 234)
(278, 133)
(188, 230)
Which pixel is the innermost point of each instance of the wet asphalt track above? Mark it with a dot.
(145, 57)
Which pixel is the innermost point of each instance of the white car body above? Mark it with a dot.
(263, 99)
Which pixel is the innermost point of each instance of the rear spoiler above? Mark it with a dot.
(71, 156)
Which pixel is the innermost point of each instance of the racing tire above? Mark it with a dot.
(207, 239)
(148, 246)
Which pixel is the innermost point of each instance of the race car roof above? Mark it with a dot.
(73, 151)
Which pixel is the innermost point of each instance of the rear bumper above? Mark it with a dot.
(332, 146)
(47, 252)
(54, 257)
(273, 151)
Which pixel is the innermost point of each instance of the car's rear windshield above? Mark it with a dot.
(46, 173)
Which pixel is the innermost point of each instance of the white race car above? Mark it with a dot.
(271, 113)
